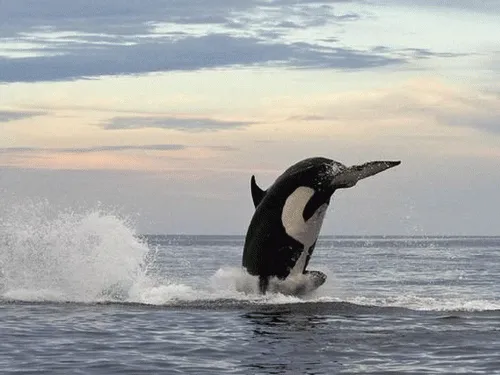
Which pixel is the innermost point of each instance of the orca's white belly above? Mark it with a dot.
(305, 232)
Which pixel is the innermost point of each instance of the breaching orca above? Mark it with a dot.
(288, 217)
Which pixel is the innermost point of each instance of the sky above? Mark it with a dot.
(161, 111)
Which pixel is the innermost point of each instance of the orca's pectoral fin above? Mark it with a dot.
(351, 175)
(318, 278)
(257, 193)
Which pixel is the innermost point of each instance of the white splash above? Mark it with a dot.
(67, 256)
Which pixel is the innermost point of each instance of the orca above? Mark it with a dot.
(288, 216)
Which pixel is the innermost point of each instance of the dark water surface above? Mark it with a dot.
(101, 301)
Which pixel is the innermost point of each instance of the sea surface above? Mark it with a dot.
(85, 294)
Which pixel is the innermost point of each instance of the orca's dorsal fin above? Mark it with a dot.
(257, 192)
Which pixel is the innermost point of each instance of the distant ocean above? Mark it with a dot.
(84, 294)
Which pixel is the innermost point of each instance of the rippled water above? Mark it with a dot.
(82, 294)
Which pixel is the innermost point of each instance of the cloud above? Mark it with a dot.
(85, 15)
(446, 105)
(476, 119)
(484, 6)
(453, 106)
(135, 17)
(78, 150)
(111, 16)
(413, 53)
(308, 118)
(424, 53)
(6, 116)
(60, 40)
(417, 108)
(151, 157)
(184, 124)
(190, 53)
(112, 148)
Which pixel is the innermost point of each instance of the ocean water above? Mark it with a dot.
(82, 293)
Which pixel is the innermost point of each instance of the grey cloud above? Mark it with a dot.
(8, 150)
(413, 53)
(477, 110)
(192, 53)
(289, 25)
(484, 6)
(201, 19)
(487, 122)
(77, 150)
(349, 17)
(184, 124)
(116, 38)
(308, 118)
(381, 49)
(6, 116)
(298, 2)
(279, 18)
(110, 16)
(221, 148)
(271, 34)
(312, 56)
(424, 53)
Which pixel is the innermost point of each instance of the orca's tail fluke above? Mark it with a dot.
(350, 176)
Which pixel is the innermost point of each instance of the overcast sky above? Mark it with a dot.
(162, 110)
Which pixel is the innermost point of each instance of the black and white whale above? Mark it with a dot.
(288, 217)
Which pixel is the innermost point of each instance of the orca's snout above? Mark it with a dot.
(391, 164)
